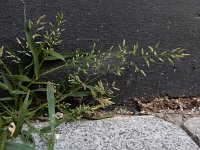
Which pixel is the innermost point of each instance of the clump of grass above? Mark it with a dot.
(29, 97)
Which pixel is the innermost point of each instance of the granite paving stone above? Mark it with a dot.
(120, 133)
(192, 127)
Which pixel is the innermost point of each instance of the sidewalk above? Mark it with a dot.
(126, 133)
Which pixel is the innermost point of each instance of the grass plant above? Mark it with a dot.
(29, 98)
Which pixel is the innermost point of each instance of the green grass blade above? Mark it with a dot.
(51, 110)
(66, 55)
(18, 92)
(59, 122)
(7, 108)
(41, 134)
(31, 114)
(27, 90)
(21, 78)
(18, 146)
(22, 115)
(32, 46)
(5, 81)
(26, 135)
(6, 99)
(4, 86)
(57, 55)
(80, 94)
(40, 90)
(5, 67)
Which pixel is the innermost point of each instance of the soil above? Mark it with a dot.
(174, 110)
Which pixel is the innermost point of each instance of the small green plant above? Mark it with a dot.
(29, 97)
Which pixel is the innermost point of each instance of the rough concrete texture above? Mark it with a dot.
(192, 127)
(119, 133)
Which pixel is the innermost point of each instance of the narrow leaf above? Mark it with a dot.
(51, 110)
(59, 122)
(40, 90)
(22, 115)
(66, 55)
(6, 99)
(4, 86)
(21, 78)
(57, 55)
(18, 92)
(26, 135)
(80, 94)
(5, 80)
(27, 90)
(32, 46)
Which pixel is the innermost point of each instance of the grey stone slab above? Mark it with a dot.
(192, 127)
(120, 133)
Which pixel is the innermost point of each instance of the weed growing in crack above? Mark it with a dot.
(31, 98)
